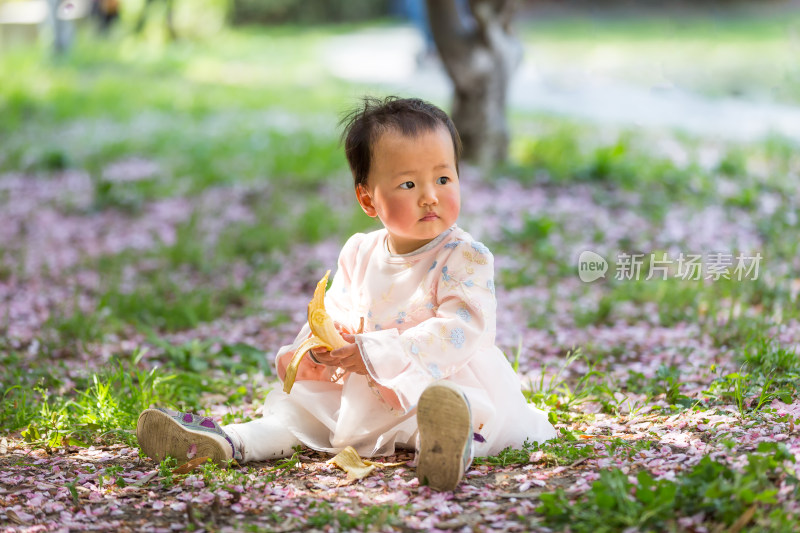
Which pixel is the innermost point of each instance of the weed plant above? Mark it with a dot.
(102, 408)
(719, 491)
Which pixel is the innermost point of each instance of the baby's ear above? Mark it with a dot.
(365, 200)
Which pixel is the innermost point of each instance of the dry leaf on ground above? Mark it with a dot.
(356, 467)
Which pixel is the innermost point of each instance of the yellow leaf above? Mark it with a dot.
(191, 465)
(15, 518)
(356, 467)
(349, 461)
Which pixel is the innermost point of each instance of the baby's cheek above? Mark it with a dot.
(400, 218)
(452, 204)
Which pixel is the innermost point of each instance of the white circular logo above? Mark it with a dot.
(591, 266)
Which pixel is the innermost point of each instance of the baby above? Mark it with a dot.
(424, 373)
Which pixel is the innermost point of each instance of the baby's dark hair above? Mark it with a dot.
(367, 122)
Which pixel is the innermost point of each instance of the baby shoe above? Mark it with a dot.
(163, 432)
(445, 436)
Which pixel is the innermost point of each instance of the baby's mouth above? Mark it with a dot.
(430, 216)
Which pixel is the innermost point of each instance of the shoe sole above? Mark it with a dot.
(443, 419)
(160, 435)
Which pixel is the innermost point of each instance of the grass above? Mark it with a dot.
(559, 150)
(768, 371)
(190, 77)
(103, 104)
(657, 48)
(100, 406)
(237, 147)
(722, 493)
(319, 512)
(188, 282)
(183, 284)
(555, 453)
(372, 516)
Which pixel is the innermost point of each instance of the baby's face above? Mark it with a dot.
(412, 187)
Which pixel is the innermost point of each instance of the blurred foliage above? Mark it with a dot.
(190, 18)
(306, 11)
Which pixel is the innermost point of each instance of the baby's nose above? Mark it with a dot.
(428, 197)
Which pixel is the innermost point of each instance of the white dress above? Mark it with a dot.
(428, 315)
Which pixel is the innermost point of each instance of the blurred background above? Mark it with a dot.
(725, 68)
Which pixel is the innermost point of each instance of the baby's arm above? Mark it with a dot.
(442, 346)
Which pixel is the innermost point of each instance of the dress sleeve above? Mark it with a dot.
(439, 347)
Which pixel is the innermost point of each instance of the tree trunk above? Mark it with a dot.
(480, 54)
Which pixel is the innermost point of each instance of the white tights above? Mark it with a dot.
(262, 439)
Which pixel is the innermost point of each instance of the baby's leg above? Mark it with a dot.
(162, 432)
(262, 439)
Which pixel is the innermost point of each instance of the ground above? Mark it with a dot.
(166, 211)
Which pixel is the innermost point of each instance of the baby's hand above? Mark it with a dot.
(322, 356)
(349, 357)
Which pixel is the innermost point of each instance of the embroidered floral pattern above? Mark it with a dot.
(474, 257)
(480, 248)
(464, 314)
(457, 337)
(445, 275)
(419, 308)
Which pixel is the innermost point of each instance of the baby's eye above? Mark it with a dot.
(407, 185)
(443, 180)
